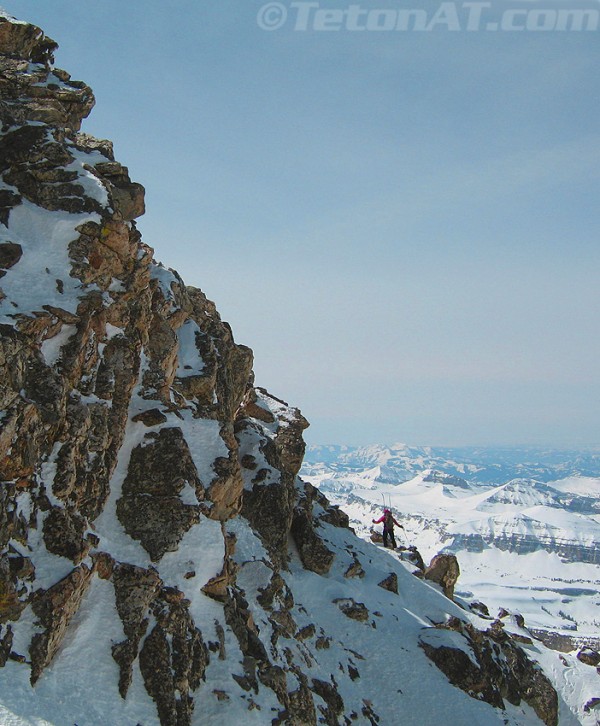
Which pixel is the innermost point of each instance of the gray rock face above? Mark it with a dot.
(270, 496)
(314, 553)
(64, 534)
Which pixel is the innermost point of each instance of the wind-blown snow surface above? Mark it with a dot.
(522, 544)
(44, 236)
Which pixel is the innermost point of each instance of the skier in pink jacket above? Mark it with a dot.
(388, 527)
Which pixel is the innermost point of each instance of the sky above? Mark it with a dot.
(403, 225)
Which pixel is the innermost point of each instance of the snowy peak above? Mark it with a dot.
(523, 493)
(449, 481)
(582, 486)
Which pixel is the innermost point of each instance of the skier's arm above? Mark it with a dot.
(378, 521)
(397, 523)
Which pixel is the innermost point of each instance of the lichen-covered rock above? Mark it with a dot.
(64, 534)
(313, 551)
(151, 509)
(270, 495)
(173, 661)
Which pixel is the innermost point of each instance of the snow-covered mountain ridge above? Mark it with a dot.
(477, 464)
(161, 562)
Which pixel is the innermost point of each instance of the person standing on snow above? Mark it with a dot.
(388, 527)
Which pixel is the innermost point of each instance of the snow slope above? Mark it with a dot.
(377, 661)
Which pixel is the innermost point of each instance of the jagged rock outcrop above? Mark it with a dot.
(411, 554)
(121, 390)
(151, 514)
(313, 552)
(353, 609)
(490, 666)
(55, 608)
(390, 583)
(102, 353)
(270, 474)
(150, 508)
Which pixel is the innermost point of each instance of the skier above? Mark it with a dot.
(388, 527)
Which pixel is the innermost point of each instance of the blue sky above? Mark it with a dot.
(403, 226)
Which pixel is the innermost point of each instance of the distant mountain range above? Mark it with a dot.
(483, 465)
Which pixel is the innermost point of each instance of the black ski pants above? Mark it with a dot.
(389, 533)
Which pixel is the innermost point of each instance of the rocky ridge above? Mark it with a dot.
(152, 513)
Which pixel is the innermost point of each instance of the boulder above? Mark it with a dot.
(444, 570)
(352, 609)
(10, 254)
(589, 657)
